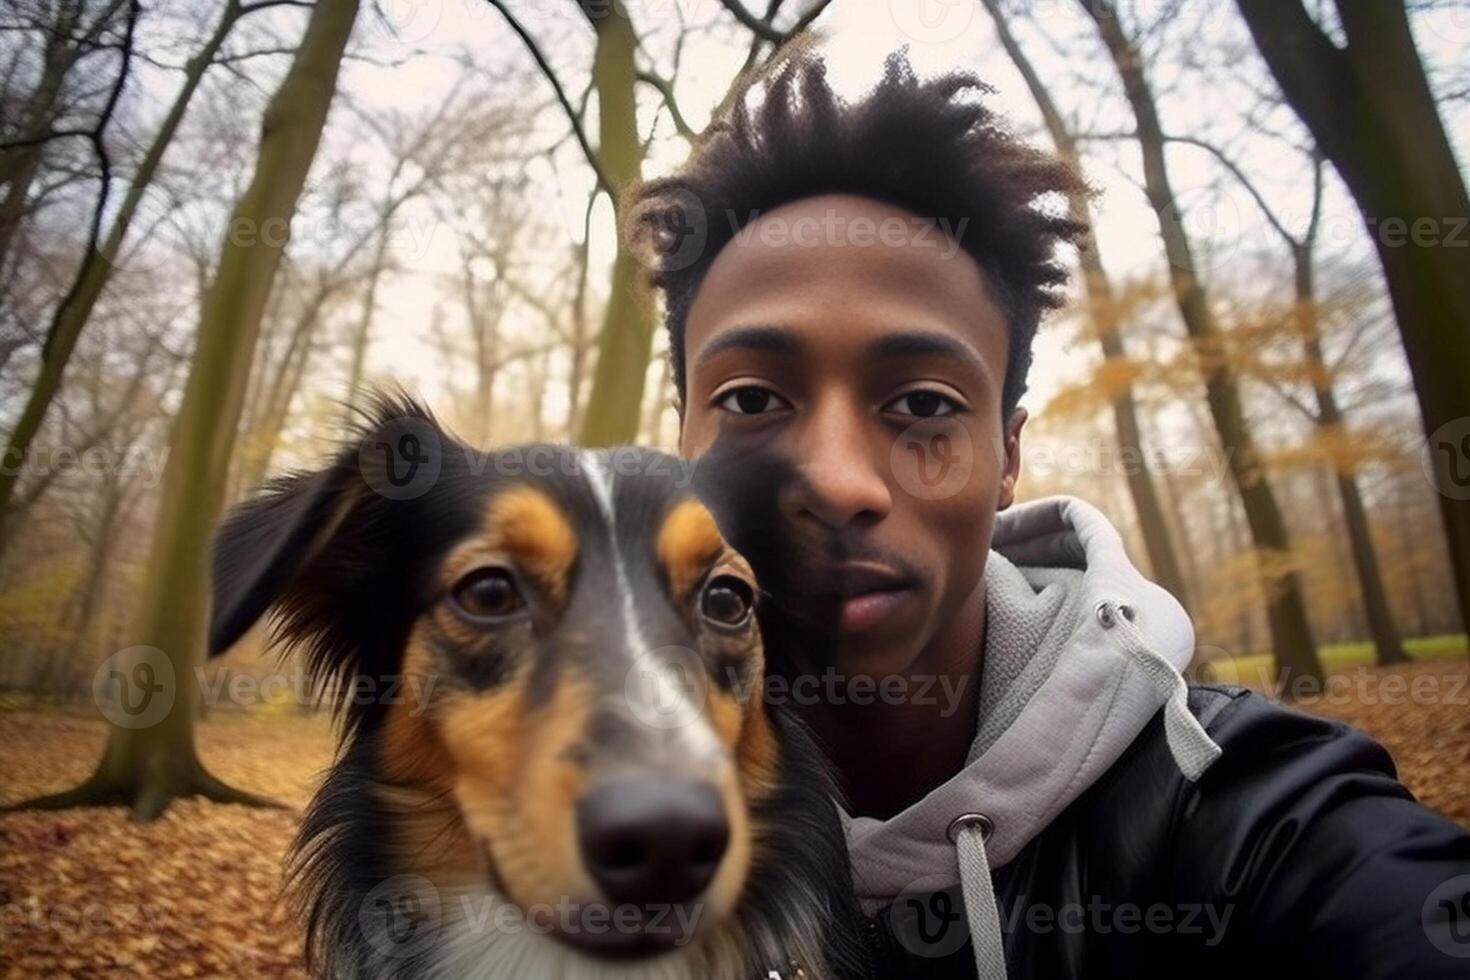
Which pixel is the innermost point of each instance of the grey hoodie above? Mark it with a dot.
(1080, 652)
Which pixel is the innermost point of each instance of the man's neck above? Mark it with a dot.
(892, 752)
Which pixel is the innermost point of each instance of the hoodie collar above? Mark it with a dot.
(1081, 652)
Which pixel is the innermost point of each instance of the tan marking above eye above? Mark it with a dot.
(531, 528)
(689, 542)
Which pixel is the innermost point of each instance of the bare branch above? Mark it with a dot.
(760, 28)
(665, 88)
(764, 30)
(104, 160)
(561, 96)
(1240, 176)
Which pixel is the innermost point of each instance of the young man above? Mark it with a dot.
(1030, 788)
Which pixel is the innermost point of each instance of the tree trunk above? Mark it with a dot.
(19, 165)
(487, 366)
(275, 403)
(1370, 109)
(76, 307)
(625, 344)
(362, 338)
(539, 377)
(662, 392)
(1376, 607)
(578, 369)
(1411, 558)
(83, 613)
(1103, 309)
(1291, 632)
(147, 767)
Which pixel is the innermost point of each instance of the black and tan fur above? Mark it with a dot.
(465, 747)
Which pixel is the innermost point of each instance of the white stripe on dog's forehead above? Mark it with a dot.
(655, 693)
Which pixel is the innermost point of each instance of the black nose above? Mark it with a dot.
(651, 841)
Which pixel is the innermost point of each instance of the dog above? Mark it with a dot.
(554, 759)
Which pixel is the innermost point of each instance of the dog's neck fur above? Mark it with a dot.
(794, 918)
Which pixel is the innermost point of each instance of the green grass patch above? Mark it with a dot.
(1257, 669)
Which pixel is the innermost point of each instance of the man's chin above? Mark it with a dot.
(818, 645)
(829, 629)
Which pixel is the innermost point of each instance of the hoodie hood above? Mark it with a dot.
(1081, 651)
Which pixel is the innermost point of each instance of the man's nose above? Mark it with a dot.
(843, 471)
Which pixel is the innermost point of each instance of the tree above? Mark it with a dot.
(612, 411)
(438, 143)
(1103, 305)
(1369, 106)
(145, 768)
(103, 508)
(70, 37)
(278, 375)
(1328, 414)
(99, 260)
(1291, 633)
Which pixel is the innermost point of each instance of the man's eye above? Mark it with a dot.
(752, 400)
(923, 404)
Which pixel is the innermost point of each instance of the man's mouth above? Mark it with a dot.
(869, 594)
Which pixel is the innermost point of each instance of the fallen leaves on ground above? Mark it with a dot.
(87, 893)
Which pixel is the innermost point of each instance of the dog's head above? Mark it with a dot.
(557, 646)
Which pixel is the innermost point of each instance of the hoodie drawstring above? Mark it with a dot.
(968, 832)
(1193, 749)
(1190, 745)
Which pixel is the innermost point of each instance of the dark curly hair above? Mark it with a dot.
(918, 145)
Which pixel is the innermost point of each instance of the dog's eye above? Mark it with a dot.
(727, 601)
(487, 593)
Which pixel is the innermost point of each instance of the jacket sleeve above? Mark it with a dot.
(1326, 864)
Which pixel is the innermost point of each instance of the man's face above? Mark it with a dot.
(847, 352)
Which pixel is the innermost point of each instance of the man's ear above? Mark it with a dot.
(1011, 465)
(326, 551)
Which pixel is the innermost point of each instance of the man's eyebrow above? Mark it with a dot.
(916, 343)
(757, 338)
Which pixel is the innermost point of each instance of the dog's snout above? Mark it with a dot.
(651, 841)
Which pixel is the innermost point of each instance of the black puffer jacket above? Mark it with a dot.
(1298, 854)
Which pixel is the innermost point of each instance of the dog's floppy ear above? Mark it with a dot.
(327, 552)
(264, 543)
